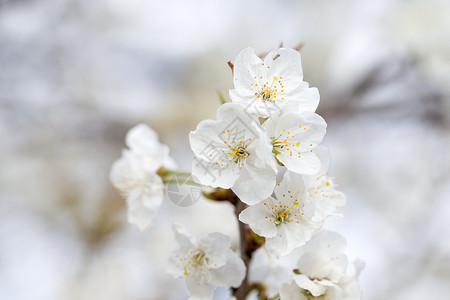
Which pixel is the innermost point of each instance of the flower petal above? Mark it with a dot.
(205, 138)
(215, 173)
(231, 274)
(245, 69)
(292, 184)
(289, 237)
(307, 163)
(330, 242)
(183, 238)
(314, 287)
(318, 265)
(305, 98)
(323, 153)
(142, 137)
(214, 245)
(291, 291)
(305, 127)
(198, 288)
(257, 217)
(287, 67)
(254, 184)
(144, 203)
(143, 140)
(323, 257)
(231, 111)
(173, 266)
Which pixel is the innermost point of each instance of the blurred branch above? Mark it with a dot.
(422, 99)
(298, 48)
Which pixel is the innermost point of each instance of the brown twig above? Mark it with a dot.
(248, 240)
(299, 47)
(241, 292)
(230, 64)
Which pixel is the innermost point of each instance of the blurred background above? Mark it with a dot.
(76, 75)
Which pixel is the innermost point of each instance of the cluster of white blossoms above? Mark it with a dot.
(319, 270)
(263, 154)
(269, 123)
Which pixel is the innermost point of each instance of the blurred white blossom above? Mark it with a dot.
(206, 264)
(324, 272)
(270, 271)
(134, 175)
(321, 188)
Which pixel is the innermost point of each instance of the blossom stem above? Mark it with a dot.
(167, 181)
(222, 98)
(163, 172)
(260, 289)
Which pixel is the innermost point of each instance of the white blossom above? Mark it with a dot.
(263, 87)
(323, 271)
(349, 283)
(300, 207)
(233, 152)
(205, 264)
(321, 188)
(269, 271)
(144, 141)
(134, 175)
(294, 135)
(285, 221)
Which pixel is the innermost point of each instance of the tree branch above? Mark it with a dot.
(241, 292)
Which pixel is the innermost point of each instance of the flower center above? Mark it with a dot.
(283, 214)
(323, 187)
(279, 143)
(309, 296)
(285, 142)
(268, 92)
(197, 258)
(238, 152)
(129, 182)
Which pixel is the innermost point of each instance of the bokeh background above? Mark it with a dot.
(76, 75)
